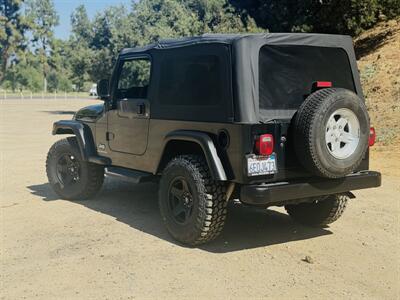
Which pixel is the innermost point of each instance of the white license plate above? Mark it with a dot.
(261, 165)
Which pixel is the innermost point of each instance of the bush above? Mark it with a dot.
(324, 16)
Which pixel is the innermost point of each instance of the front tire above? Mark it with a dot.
(192, 205)
(319, 212)
(69, 176)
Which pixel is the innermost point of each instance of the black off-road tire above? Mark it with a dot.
(320, 212)
(91, 175)
(309, 132)
(208, 207)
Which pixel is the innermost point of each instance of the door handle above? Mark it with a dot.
(141, 109)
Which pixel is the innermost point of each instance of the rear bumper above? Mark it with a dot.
(279, 192)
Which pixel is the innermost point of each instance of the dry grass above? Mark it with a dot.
(378, 51)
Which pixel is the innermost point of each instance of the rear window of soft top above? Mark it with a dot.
(288, 72)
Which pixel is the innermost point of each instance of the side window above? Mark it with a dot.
(134, 79)
(191, 80)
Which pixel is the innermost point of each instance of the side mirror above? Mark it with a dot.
(102, 89)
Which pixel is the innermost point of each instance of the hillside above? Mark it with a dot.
(378, 52)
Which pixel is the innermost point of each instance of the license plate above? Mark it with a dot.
(261, 165)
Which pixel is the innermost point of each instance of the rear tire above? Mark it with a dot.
(319, 212)
(85, 179)
(192, 204)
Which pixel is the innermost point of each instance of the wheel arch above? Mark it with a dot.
(84, 137)
(192, 142)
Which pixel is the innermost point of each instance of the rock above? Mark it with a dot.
(308, 259)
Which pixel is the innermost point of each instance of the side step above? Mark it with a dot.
(130, 175)
(100, 160)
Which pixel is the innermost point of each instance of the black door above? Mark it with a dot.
(128, 122)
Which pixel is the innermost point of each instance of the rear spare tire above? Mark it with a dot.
(331, 131)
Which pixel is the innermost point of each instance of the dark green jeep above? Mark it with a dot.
(269, 119)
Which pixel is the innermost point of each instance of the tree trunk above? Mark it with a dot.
(45, 84)
(4, 60)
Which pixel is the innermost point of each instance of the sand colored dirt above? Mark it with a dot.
(115, 246)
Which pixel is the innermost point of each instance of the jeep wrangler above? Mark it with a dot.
(269, 119)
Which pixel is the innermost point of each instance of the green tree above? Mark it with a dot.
(44, 18)
(156, 19)
(219, 16)
(12, 29)
(80, 64)
(390, 8)
(325, 16)
(111, 33)
(24, 73)
(60, 66)
(82, 32)
(345, 16)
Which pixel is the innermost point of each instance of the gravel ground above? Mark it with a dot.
(115, 246)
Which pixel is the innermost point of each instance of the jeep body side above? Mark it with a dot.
(209, 103)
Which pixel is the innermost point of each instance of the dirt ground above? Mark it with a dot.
(379, 56)
(115, 246)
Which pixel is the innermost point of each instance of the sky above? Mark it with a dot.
(66, 7)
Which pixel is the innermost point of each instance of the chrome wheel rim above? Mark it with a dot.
(342, 133)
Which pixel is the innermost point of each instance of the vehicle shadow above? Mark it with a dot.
(59, 112)
(137, 206)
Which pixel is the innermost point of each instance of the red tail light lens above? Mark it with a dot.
(265, 144)
(372, 136)
(323, 84)
(317, 85)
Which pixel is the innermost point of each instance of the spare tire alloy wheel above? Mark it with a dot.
(342, 133)
(331, 130)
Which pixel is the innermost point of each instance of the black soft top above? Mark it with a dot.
(246, 52)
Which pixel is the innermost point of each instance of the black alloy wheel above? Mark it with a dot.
(68, 170)
(69, 175)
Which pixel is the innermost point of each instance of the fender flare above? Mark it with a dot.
(207, 145)
(84, 138)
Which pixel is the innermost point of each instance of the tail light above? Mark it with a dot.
(323, 84)
(264, 144)
(318, 85)
(372, 136)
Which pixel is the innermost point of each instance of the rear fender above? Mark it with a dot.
(208, 148)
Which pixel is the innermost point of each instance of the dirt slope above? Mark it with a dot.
(378, 51)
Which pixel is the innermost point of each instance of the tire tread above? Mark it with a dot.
(95, 172)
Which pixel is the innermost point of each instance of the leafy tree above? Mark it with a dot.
(44, 18)
(59, 62)
(325, 16)
(390, 8)
(81, 26)
(345, 16)
(24, 73)
(12, 29)
(90, 52)
(157, 19)
(80, 64)
(219, 16)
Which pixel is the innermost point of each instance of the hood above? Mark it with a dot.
(89, 113)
